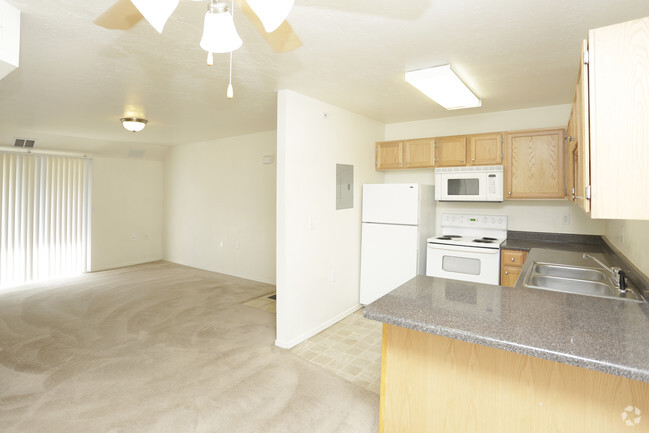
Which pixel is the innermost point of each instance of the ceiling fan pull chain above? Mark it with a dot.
(230, 93)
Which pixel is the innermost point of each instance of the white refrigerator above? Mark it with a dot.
(397, 219)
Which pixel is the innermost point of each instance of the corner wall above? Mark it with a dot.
(220, 206)
(631, 237)
(318, 247)
(126, 202)
(524, 215)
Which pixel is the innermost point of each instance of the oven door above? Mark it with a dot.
(480, 265)
(462, 186)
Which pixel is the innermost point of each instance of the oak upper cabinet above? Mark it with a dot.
(389, 155)
(578, 145)
(618, 90)
(420, 153)
(581, 151)
(571, 153)
(486, 149)
(535, 165)
(450, 151)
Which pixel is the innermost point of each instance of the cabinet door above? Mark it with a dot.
(582, 149)
(509, 275)
(389, 154)
(535, 165)
(420, 153)
(486, 149)
(450, 151)
(572, 165)
(618, 73)
(511, 264)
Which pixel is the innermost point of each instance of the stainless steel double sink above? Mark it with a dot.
(576, 279)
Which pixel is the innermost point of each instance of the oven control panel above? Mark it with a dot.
(475, 221)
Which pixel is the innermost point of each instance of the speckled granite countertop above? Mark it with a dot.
(600, 334)
(595, 333)
(517, 240)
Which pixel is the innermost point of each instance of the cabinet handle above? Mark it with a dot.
(472, 159)
(461, 160)
(399, 164)
(512, 259)
(510, 193)
(506, 273)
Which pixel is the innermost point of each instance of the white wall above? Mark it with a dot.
(126, 201)
(631, 237)
(539, 215)
(530, 118)
(315, 240)
(220, 192)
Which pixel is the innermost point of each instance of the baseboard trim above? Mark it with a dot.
(294, 342)
(109, 266)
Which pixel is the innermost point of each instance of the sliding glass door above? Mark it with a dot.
(44, 217)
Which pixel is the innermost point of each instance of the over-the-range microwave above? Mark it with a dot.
(480, 183)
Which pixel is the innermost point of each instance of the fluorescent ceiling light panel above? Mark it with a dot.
(444, 87)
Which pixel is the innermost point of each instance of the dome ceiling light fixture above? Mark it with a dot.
(133, 124)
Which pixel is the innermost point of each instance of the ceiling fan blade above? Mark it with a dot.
(121, 16)
(282, 40)
(156, 12)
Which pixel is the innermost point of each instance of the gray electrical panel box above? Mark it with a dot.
(344, 186)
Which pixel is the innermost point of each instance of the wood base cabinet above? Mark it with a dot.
(511, 264)
(437, 384)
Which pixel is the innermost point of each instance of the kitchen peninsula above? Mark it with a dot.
(469, 357)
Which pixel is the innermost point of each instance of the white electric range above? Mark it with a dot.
(468, 248)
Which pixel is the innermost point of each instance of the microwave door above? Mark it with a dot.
(465, 187)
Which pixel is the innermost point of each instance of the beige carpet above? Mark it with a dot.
(161, 348)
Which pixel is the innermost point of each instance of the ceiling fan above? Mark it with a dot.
(267, 16)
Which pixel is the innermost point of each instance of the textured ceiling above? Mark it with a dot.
(76, 79)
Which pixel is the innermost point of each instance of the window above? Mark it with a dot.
(44, 217)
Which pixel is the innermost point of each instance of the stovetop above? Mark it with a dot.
(468, 241)
(486, 231)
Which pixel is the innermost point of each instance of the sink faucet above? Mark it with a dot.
(617, 277)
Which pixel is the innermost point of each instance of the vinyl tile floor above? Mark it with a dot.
(350, 349)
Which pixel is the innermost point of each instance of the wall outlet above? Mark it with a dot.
(333, 276)
(133, 237)
(236, 244)
(565, 219)
(221, 244)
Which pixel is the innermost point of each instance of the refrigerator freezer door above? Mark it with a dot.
(388, 259)
(391, 203)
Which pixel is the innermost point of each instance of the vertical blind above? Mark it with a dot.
(44, 217)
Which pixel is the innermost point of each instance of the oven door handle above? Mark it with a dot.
(475, 250)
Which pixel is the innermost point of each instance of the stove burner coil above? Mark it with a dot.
(483, 241)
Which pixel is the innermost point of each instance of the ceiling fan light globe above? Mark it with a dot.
(156, 12)
(219, 33)
(271, 13)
